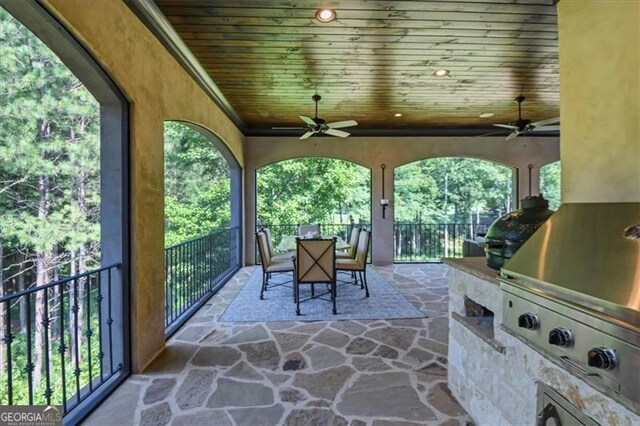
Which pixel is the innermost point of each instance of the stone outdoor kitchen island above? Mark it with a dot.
(494, 375)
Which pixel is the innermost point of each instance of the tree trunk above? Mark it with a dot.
(22, 308)
(42, 261)
(71, 323)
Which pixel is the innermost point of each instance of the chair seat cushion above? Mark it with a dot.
(284, 256)
(348, 264)
(280, 266)
(344, 255)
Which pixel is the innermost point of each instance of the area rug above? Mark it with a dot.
(385, 302)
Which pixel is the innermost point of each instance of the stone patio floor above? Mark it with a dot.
(373, 372)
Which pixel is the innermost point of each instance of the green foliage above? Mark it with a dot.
(49, 200)
(197, 185)
(550, 184)
(50, 149)
(451, 190)
(313, 190)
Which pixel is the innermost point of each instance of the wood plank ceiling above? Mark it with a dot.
(377, 59)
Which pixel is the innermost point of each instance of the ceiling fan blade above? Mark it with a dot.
(341, 124)
(507, 126)
(545, 122)
(497, 132)
(546, 129)
(288, 128)
(512, 136)
(308, 120)
(338, 133)
(307, 135)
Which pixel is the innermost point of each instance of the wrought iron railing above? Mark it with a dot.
(342, 230)
(430, 242)
(61, 351)
(195, 270)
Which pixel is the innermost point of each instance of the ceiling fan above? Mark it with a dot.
(317, 125)
(522, 126)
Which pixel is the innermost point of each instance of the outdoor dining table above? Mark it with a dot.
(288, 243)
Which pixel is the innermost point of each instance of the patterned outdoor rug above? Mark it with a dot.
(384, 302)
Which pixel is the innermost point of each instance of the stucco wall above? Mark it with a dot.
(600, 100)
(158, 89)
(371, 152)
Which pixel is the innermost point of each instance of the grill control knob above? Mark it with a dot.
(561, 337)
(603, 358)
(529, 321)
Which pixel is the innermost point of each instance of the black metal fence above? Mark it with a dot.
(62, 350)
(195, 270)
(342, 230)
(430, 242)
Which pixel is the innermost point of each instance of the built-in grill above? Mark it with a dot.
(572, 292)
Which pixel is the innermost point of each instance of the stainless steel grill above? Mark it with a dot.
(573, 293)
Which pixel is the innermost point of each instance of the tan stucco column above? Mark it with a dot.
(600, 100)
(158, 89)
(381, 229)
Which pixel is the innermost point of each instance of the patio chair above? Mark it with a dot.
(350, 253)
(283, 256)
(358, 265)
(270, 266)
(304, 229)
(315, 263)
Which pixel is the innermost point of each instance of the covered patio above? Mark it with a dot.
(143, 338)
(295, 373)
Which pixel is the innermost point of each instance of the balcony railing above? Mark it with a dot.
(195, 270)
(430, 242)
(62, 351)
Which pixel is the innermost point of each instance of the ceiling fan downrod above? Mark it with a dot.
(316, 98)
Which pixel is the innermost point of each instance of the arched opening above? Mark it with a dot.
(441, 202)
(202, 216)
(64, 214)
(312, 190)
(550, 184)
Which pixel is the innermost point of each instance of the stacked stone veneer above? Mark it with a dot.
(500, 388)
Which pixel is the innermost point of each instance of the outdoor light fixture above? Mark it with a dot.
(383, 201)
(441, 73)
(325, 15)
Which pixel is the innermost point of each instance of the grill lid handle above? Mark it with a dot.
(549, 412)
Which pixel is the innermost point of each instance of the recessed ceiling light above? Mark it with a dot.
(325, 15)
(397, 114)
(441, 73)
(486, 115)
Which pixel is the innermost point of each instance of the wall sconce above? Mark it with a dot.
(384, 202)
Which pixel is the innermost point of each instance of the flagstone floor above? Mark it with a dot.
(373, 372)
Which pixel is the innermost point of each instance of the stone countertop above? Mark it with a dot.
(476, 266)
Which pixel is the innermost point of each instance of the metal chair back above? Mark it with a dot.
(315, 261)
